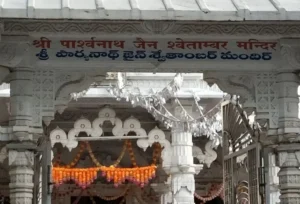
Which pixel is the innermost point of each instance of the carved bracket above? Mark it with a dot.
(208, 157)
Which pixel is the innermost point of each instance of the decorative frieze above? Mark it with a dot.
(241, 29)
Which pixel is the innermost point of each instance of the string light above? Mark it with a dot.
(208, 124)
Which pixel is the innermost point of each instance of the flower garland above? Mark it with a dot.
(97, 163)
(137, 175)
(218, 193)
(83, 177)
(131, 154)
(75, 160)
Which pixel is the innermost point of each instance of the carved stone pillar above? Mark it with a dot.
(289, 174)
(182, 169)
(288, 100)
(21, 174)
(21, 156)
(21, 91)
(288, 132)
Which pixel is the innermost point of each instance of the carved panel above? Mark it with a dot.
(43, 95)
(267, 98)
(154, 27)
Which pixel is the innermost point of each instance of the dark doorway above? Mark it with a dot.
(87, 200)
(217, 200)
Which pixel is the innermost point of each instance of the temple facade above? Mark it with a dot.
(64, 135)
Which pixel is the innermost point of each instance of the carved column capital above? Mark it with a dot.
(20, 158)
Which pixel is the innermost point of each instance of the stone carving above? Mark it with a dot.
(257, 91)
(12, 54)
(52, 90)
(94, 129)
(157, 135)
(289, 174)
(183, 188)
(73, 83)
(237, 84)
(278, 29)
(21, 176)
(208, 157)
(133, 125)
(17, 158)
(266, 98)
(156, 27)
(43, 96)
(290, 54)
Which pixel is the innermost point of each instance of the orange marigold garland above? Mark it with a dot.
(83, 177)
(138, 175)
